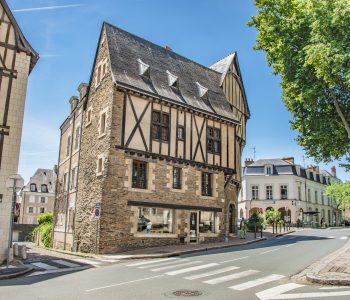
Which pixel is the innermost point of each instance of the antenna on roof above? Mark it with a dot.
(254, 152)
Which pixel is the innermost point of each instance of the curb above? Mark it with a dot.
(318, 266)
(284, 233)
(179, 253)
(9, 276)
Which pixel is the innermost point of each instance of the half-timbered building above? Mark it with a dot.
(17, 59)
(161, 142)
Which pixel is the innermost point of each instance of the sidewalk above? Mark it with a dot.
(16, 268)
(333, 269)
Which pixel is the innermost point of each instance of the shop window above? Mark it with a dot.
(206, 222)
(139, 175)
(155, 220)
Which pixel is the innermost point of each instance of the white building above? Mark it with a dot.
(17, 59)
(285, 186)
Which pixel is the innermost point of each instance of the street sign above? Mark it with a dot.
(97, 212)
(98, 205)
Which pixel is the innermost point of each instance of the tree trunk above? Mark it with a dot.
(341, 115)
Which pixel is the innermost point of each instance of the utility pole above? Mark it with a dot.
(254, 152)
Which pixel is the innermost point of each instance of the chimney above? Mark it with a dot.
(334, 171)
(316, 169)
(248, 162)
(73, 101)
(82, 89)
(289, 159)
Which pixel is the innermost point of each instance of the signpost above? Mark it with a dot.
(97, 215)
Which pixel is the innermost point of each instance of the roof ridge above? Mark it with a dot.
(163, 48)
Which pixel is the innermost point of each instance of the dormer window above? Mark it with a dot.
(44, 188)
(268, 170)
(173, 80)
(298, 170)
(203, 91)
(144, 69)
(33, 187)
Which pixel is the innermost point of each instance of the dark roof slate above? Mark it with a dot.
(125, 49)
(42, 176)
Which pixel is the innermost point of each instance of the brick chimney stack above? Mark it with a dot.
(334, 171)
(289, 159)
(248, 162)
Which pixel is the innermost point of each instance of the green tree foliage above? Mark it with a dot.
(340, 193)
(44, 228)
(307, 42)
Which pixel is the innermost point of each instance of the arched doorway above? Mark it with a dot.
(301, 215)
(241, 213)
(285, 213)
(232, 218)
(253, 210)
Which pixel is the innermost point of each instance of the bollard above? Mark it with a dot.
(15, 249)
(22, 249)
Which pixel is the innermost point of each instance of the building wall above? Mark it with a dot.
(11, 143)
(31, 199)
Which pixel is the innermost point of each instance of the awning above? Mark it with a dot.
(311, 212)
(173, 205)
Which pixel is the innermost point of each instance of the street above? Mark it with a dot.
(257, 271)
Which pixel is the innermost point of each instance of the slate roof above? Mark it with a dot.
(271, 161)
(42, 176)
(126, 48)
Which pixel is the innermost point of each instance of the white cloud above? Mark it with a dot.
(47, 8)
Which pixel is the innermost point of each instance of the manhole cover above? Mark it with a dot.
(187, 293)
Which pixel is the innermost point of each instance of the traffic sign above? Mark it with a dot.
(98, 205)
(97, 212)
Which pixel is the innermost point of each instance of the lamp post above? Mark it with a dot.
(14, 184)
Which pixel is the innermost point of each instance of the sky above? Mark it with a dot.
(65, 34)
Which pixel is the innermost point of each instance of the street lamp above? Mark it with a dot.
(14, 184)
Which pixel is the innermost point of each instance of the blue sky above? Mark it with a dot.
(202, 30)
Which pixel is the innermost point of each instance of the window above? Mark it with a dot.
(213, 140)
(101, 72)
(269, 193)
(139, 175)
(77, 138)
(33, 187)
(181, 133)
(30, 210)
(103, 123)
(284, 192)
(308, 195)
(206, 184)
(173, 80)
(155, 220)
(206, 222)
(44, 188)
(160, 126)
(69, 140)
(88, 116)
(42, 210)
(144, 69)
(299, 192)
(268, 170)
(100, 166)
(255, 192)
(316, 197)
(177, 178)
(322, 198)
(42, 200)
(65, 182)
(74, 179)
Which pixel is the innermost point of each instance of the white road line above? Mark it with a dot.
(56, 271)
(343, 237)
(231, 277)
(181, 271)
(268, 251)
(122, 283)
(148, 262)
(235, 259)
(215, 272)
(330, 237)
(289, 245)
(275, 292)
(332, 287)
(254, 283)
(109, 260)
(44, 266)
(66, 263)
(176, 266)
(163, 264)
(89, 262)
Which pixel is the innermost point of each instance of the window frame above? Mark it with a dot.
(181, 137)
(103, 116)
(41, 200)
(139, 181)
(35, 188)
(77, 137)
(213, 139)
(68, 146)
(267, 192)
(160, 125)
(46, 189)
(255, 192)
(207, 184)
(284, 187)
(178, 183)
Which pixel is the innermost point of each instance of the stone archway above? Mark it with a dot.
(232, 218)
(253, 210)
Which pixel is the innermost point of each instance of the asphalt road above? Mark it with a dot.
(257, 271)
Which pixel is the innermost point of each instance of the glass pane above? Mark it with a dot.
(155, 220)
(165, 119)
(156, 116)
(206, 222)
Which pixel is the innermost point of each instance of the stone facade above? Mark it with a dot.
(19, 59)
(116, 134)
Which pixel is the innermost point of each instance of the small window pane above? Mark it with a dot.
(177, 178)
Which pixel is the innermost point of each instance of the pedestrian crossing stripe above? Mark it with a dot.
(176, 266)
(257, 282)
(215, 272)
(162, 264)
(66, 263)
(231, 277)
(44, 266)
(147, 262)
(186, 270)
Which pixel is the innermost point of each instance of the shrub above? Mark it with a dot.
(44, 228)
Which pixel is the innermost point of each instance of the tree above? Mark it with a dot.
(307, 42)
(273, 217)
(340, 192)
(44, 228)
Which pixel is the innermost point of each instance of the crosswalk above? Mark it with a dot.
(229, 275)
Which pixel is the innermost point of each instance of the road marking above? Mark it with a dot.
(65, 270)
(276, 293)
(176, 266)
(122, 283)
(87, 261)
(181, 271)
(231, 277)
(343, 237)
(66, 263)
(239, 258)
(215, 272)
(44, 266)
(253, 283)
(330, 237)
(147, 262)
(289, 245)
(163, 264)
(109, 260)
(332, 287)
(268, 251)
